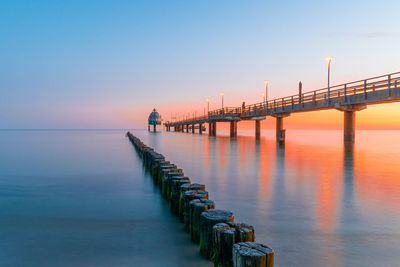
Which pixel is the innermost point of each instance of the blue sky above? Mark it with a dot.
(106, 64)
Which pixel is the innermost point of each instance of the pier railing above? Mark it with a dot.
(325, 98)
(379, 83)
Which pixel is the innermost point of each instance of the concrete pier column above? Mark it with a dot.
(182, 127)
(349, 126)
(200, 128)
(154, 128)
(214, 129)
(233, 131)
(258, 129)
(280, 132)
(187, 128)
(279, 128)
(210, 128)
(192, 128)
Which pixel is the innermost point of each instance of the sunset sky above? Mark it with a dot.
(106, 64)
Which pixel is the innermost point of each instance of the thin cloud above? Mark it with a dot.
(364, 35)
(371, 34)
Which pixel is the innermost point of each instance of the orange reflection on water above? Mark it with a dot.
(320, 169)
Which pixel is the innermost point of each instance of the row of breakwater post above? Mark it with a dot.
(221, 240)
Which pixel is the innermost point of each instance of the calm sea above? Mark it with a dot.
(82, 198)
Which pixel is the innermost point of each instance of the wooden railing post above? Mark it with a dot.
(292, 102)
(315, 98)
(365, 89)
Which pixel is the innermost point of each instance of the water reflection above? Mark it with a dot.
(315, 200)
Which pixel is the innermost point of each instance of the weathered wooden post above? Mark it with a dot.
(175, 193)
(182, 190)
(163, 169)
(197, 206)
(244, 233)
(223, 239)
(165, 180)
(171, 177)
(251, 254)
(189, 196)
(208, 219)
(156, 168)
(227, 234)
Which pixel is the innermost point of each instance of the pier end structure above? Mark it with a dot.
(154, 120)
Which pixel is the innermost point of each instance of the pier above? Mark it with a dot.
(348, 98)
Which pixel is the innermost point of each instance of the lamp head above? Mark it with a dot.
(329, 59)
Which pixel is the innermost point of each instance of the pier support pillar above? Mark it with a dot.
(214, 129)
(280, 132)
(187, 128)
(200, 128)
(349, 128)
(233, 131)
(154, 128)
(258, 129)
(192, 128)
(210, 128)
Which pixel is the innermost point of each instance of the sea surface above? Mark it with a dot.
(81, 198)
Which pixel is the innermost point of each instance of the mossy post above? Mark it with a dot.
(166, 181)
(208, 219)
(177, 182)
(224, 236)
(183, 189)
(197, 206)
(189, 196)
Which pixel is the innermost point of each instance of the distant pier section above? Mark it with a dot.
(348, 97)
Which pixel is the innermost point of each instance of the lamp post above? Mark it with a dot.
(204, 107)
(266, 94)
(222, 94)
(264, 97)
(329, 59)
(208, 105)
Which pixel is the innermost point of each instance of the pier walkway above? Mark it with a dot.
(348, 97)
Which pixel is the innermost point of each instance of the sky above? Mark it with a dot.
(107, 64)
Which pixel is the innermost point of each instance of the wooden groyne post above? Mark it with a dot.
(221, 240)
